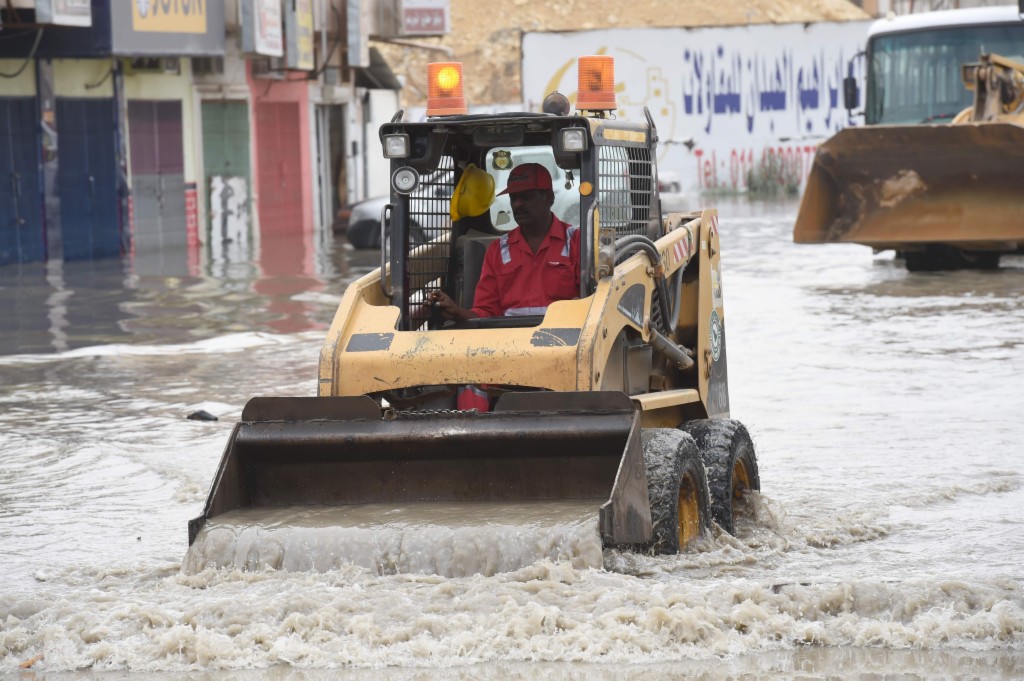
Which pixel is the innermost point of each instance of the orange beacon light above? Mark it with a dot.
(444, 89)
(596, 83)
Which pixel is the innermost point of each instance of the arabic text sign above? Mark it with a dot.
(725, 99)
(425, 17)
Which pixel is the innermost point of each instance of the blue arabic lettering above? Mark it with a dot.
(763, 88)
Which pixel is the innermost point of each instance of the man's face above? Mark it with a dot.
(532, 208)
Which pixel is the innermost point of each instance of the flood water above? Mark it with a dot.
(886, 408)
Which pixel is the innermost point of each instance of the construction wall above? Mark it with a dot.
(733, 106)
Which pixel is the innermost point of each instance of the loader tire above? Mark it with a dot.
(728, 455)
(677, 487)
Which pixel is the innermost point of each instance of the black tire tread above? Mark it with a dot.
(720, 442)
(668, 454)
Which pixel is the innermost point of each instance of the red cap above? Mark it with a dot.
(526, 177)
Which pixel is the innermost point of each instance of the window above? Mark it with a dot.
(566, 188)
(915, 77)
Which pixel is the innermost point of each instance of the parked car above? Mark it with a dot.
(360, 223)
(671, 191)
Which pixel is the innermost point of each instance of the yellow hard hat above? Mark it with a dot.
(473, 194)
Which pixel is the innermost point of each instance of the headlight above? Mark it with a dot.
(396, 146)
(405, 180)
(574, 139)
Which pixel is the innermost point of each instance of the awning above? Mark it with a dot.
(378, 75)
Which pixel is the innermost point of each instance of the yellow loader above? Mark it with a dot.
(615, 401)
(943, 196)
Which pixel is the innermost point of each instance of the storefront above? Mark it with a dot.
(94, 128)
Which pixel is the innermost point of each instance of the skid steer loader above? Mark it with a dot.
(615, 402)
(943, 196)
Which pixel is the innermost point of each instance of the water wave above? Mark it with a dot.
(159, 620)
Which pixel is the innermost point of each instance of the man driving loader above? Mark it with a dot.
(525, 270)
(532, 266)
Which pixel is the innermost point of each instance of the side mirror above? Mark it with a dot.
(851, 95)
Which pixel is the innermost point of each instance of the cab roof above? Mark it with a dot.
(1002, 14)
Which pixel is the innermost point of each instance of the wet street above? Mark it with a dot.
(885, 406)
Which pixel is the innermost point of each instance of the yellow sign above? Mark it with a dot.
(304, 21)
(625, 135)
(169, 16)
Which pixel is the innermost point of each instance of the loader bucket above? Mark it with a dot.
(344, 451)
(887, 186)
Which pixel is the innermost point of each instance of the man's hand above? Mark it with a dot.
(448, 308)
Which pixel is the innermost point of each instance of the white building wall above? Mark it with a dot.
(726, 101)
(382, 105)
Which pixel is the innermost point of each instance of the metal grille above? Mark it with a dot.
(430, 218)
(626, 184)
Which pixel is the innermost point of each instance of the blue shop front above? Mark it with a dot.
(96, 112)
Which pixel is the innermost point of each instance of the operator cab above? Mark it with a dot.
(592, 162)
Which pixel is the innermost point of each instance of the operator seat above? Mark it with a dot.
(471, 248)
(471, 218)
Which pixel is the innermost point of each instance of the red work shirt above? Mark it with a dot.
(515, 281)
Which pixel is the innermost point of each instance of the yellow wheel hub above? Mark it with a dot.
(740, 479)
(689, 511)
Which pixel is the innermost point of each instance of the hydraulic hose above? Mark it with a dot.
(625, 247)
(681, 356)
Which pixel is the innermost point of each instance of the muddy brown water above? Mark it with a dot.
(885, 406)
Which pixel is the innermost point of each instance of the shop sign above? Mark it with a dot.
(261, 28)
(425, 17)
(64, 12)
(169, 16)
(167, 27)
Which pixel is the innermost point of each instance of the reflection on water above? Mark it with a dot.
(292, 283)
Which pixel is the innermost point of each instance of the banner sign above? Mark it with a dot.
(299, 34)
(729, 103)
(358, 46)
(261, 28)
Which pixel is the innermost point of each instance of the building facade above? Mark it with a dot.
(180, 133)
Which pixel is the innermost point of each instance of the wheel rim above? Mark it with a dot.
(740, 478)
(689, 511)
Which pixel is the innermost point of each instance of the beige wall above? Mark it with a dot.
(83, 78)
(22, 86)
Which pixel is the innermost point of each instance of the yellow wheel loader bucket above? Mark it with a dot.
(896, 186)
(311, 452)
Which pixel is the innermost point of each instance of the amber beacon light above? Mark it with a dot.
(444, 89)
(596, 85)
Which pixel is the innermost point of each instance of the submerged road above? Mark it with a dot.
(885, 406)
